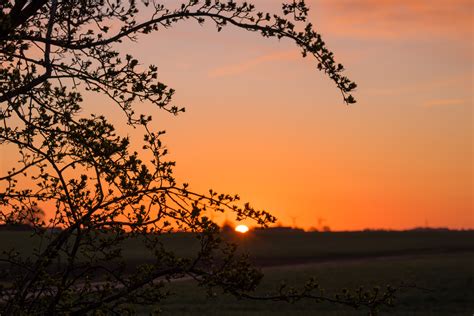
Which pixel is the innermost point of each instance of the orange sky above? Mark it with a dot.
(264, 123)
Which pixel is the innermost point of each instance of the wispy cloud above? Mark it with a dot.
(443, 102)
(398, 18)
(244, 66)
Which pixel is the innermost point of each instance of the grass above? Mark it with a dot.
(279, 246)
(447, 278)
(271, 247)
(440, 261)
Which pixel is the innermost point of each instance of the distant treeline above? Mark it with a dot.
(23, 227)
(278, 229)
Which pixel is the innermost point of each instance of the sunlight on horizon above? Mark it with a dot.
(242, 229)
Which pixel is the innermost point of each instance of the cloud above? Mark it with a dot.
(244, 66)
(443, 102)
(397, 18)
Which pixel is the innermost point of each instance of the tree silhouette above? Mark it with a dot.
(103, 195)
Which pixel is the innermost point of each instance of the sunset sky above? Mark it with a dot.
(261, 121)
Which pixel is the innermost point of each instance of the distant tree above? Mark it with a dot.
(227, 226)
(33, 216)
(101, 193)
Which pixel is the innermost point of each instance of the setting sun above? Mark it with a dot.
(242, 229)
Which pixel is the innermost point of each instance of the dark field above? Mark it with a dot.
(447, 282)
(439, 263)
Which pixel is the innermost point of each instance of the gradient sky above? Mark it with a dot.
(261, 121)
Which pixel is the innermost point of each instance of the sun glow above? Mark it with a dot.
(242, 229)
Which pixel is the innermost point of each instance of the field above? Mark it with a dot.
(439, 263)
(447, 282)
